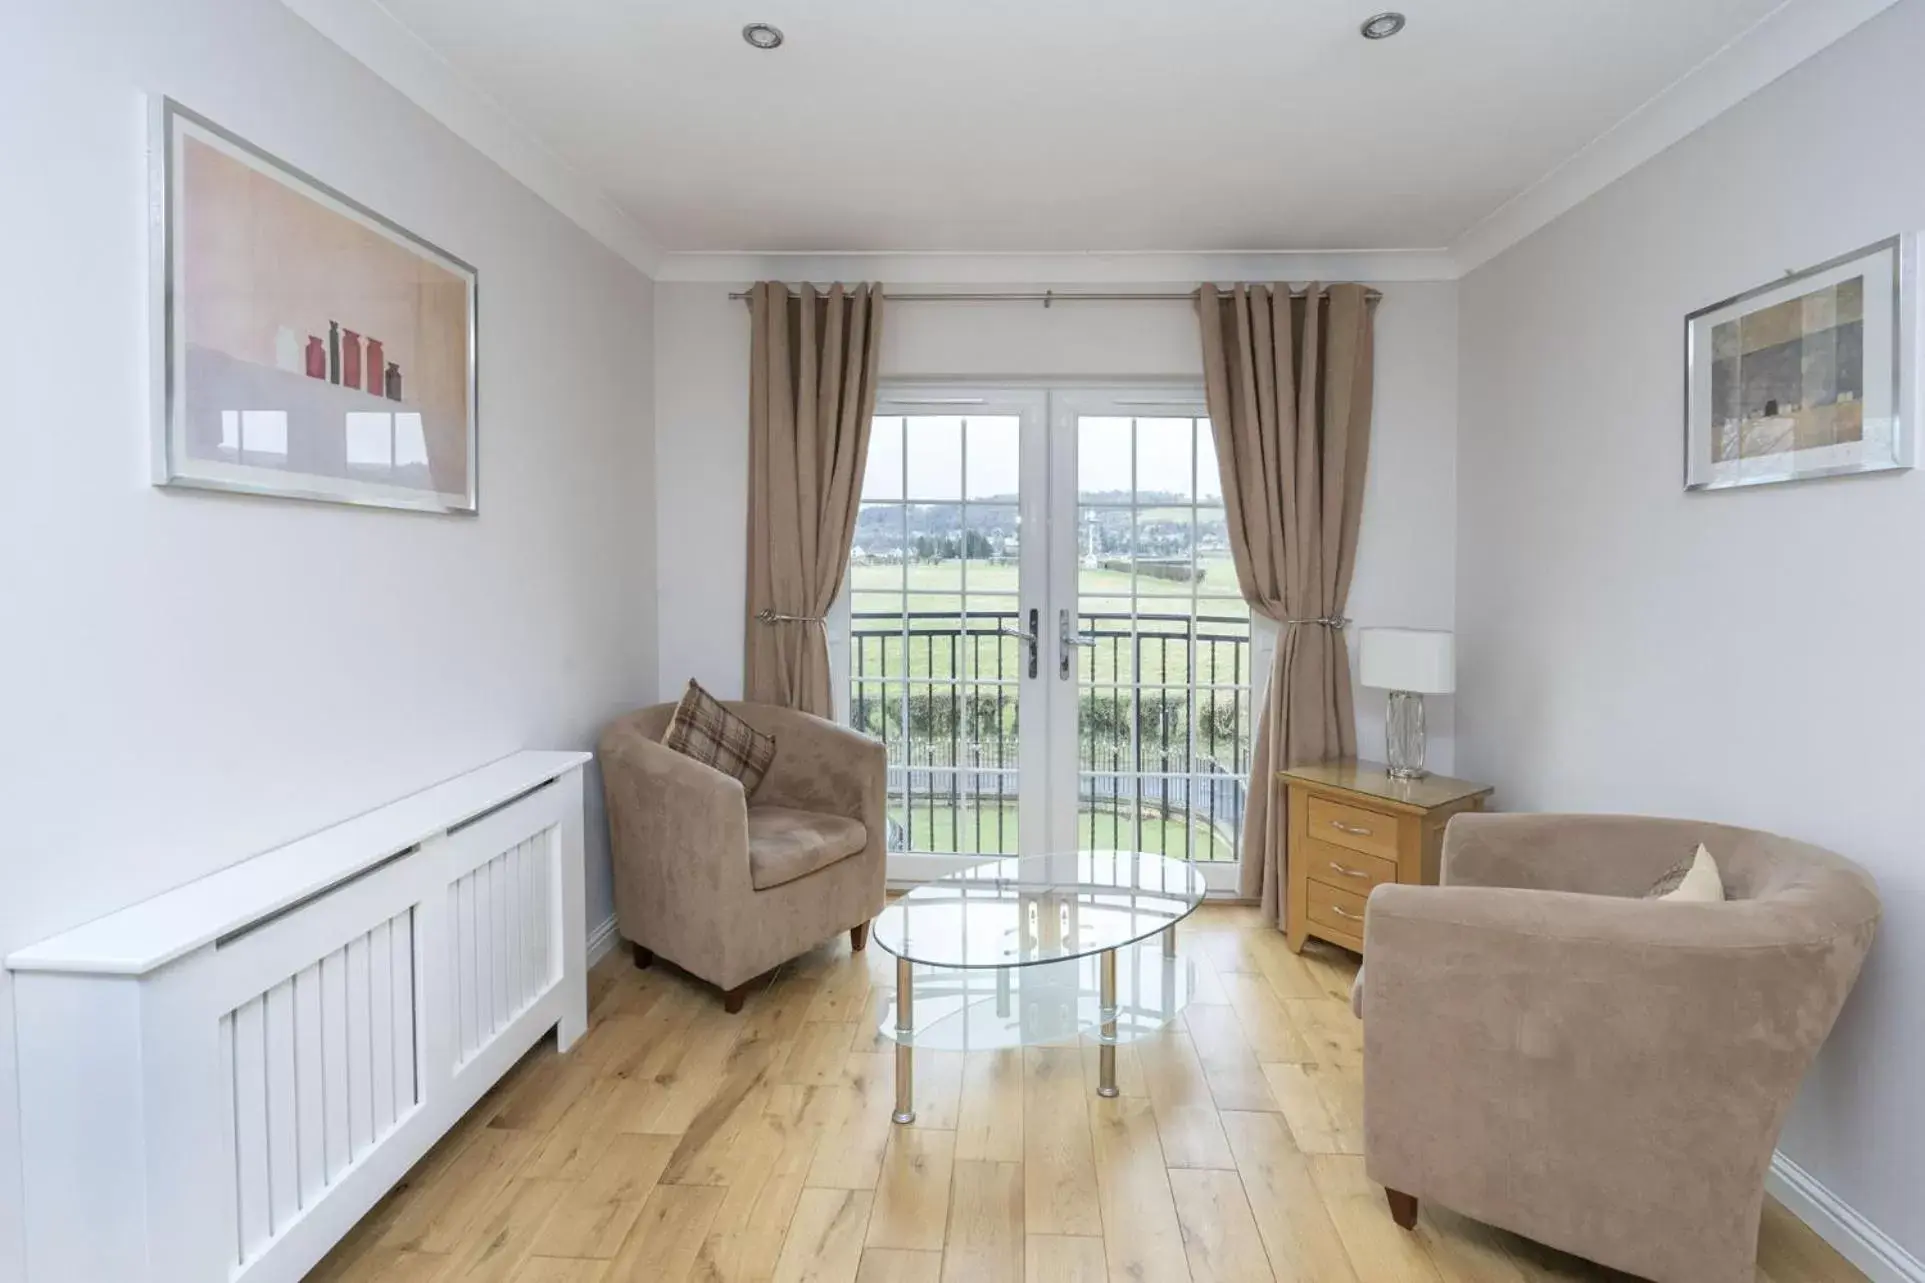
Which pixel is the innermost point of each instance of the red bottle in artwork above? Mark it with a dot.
(351, 359)
(317, 358)
(377, 359)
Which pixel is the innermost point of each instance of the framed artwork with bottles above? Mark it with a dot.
(305, 346)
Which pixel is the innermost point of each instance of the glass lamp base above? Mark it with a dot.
(1404, 735)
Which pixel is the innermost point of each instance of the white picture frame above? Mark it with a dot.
(303, 345)
(1813, 375)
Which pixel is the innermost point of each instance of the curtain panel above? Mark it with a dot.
(1288, 381)
(812, 392)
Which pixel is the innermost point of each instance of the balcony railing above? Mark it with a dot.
(1163, 729)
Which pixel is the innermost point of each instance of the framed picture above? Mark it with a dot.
(305, 346)
(1809, 376)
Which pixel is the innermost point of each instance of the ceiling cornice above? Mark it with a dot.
(1788, 35)
(393, 52)
(1793, 32)
(1133, 268)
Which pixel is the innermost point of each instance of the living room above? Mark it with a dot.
(960, 644)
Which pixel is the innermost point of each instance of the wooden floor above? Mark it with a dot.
(680, 1143)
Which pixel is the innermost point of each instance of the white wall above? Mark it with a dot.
(1750, 656)
(1406, 559)
(187, 679)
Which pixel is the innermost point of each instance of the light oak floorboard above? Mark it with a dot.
(985, 1236)
(678, 1144)
(825, 1238)
(893, 1265)
(1219, 1233)
(912, 1196)
(1059, 1258)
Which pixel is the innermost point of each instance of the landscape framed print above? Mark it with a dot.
(304, 345)
(1813, 375)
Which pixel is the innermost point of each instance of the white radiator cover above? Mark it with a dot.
(218, 1083)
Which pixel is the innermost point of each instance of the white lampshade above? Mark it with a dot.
(1423, 660)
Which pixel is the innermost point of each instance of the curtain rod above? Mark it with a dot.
(1047, 297)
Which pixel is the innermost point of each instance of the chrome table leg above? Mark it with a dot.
(1106, 1054)
(905, 1062)
(1169, 941)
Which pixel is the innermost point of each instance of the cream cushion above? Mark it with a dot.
(1701, 884)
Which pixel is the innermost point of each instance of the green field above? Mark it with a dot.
(1160, 654)
(968, 829)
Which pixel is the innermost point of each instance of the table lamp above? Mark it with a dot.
(1410, 663)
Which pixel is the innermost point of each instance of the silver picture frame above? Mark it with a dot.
(239, 404)
(1813, 375)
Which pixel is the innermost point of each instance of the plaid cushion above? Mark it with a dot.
(709, 733)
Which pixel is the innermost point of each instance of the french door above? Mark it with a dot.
(1042, 623)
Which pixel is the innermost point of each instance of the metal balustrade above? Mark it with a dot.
(1162, 761)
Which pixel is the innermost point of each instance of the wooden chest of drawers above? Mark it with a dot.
(1353, 826)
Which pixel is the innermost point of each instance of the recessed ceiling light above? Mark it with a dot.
(763, 36)
(1383, 26)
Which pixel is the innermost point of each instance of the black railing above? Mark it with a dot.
(1163, 748)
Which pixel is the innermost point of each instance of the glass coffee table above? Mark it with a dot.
(1038, 950)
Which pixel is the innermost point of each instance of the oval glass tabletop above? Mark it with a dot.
(1040, 909)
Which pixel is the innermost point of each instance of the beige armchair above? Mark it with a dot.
(728, 887)
(1548, 1053)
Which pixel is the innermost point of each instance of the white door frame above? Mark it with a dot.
(1048, 564)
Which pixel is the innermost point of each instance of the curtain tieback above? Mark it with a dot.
(768, 615)
(1322, 621)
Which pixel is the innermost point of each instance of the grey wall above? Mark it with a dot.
(1750, 656)
(187, 679)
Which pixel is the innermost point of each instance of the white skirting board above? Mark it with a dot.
(1839, 1224)
(603, 940)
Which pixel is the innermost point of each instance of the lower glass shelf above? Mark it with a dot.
(1052, 1002)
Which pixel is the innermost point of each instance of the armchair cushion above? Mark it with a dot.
(786, 844)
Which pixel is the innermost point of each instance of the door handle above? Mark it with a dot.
(1068, 637)
(1021, 636)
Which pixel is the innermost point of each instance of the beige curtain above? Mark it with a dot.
(812, 390)
(1288, 381)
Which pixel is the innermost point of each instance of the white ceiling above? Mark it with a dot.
(1071, 125)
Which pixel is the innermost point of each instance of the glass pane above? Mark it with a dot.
(882, 478)
(1162, 644)
(990, 541)
(1216, 817)
(1165, 545)
(1224, 729)
(1103, 728)
(1216, 572)
(1222, 643)
(879, 542)
(935, 638)
(1162, 730)
(1164, 460)
(985, 821)
(988, 655)
(1209, 480)
(989, 727)
(1103, 539)
(870, 708)
(935, 547)
(1106, 813)
(934, 446)
(1110, 659)
(1163, 818)
(1103, 470)
(995, 458)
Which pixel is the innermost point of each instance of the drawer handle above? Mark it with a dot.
(1342, 912)
(1357, 830)
(1349, 873)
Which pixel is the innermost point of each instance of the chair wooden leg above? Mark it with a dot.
(732, 1000)
(644, 958)
(859, 937)
(1403, 1208)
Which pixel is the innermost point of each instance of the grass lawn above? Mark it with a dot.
(934, 827)
(1159, 654)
